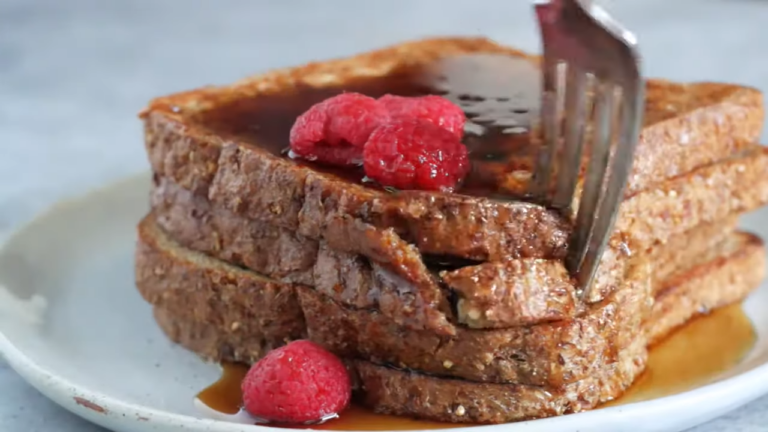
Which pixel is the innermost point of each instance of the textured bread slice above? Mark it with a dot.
(546, 354)
(511, 293)
(707, 195)
(185, 143)
(689, 249)
(261, 311)
(719, 277)
(399, 392)
(404, 393)
(529, 290)
(540, 354)
(552, 353)
(726, 279)
(284, 255)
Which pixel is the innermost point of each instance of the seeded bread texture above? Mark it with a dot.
(686, 126)
(705, 197)
(549, 354)
(726, 279)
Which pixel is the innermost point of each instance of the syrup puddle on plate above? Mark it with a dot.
(690, 357)
(694, 355)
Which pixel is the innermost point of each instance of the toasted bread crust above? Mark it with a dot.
(516, 292)
(348, 277)
(417, 303)
(692, 248)
(265, 312)
(255, 184)
(723, 280)
(712, 120)
(391, 391)
(707, 195)
(346, 263)
(733, 274)
(548, 354)
(545, 354)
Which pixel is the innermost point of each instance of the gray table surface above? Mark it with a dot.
(74, 73)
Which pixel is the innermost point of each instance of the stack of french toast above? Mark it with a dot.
(447, 306)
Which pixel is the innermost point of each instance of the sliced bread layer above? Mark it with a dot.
(726, 279)
(535, 355)
(207, 141)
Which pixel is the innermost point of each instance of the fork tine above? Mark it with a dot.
(621, 165)
(549, 116)
(569, 162)
(582, 35)
(593, 185)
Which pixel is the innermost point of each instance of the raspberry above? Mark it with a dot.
(435, 109)
(298, 383)
(415, 154)
(335, 130)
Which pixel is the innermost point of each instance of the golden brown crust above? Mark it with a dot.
(512, 293)
(282, 254)
(692, 248)
(223, 312)
(692, 124)
(544, 354)
(712, 284)
(708, 195)
(234, 301)
(732, 274)
(289, 257)
(705, 195)
(190, 284)
(687, 126)
(209, 342)
(404, 393)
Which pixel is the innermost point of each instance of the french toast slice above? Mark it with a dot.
(545, 354)
(352, 266)
(399, 392)
(732, 269)
(684, 251)
(728, 278)
(549, 354)
(707, 195)
(161, 262)
(225, 297)
(208, 141)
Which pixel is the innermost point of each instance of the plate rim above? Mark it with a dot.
(737, 390)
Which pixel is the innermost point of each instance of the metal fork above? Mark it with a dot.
(593, 89)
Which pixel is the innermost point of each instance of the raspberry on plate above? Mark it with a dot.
(335, 130)
(415, 154)
(298, 383)
(435, 109)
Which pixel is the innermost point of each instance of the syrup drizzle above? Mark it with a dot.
(225, 395)
(692, 356)
(499, 94)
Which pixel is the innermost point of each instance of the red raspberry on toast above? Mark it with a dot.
(434, 109)
(415, 154)
(335, 130)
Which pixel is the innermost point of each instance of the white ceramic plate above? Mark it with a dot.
(73, 325)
